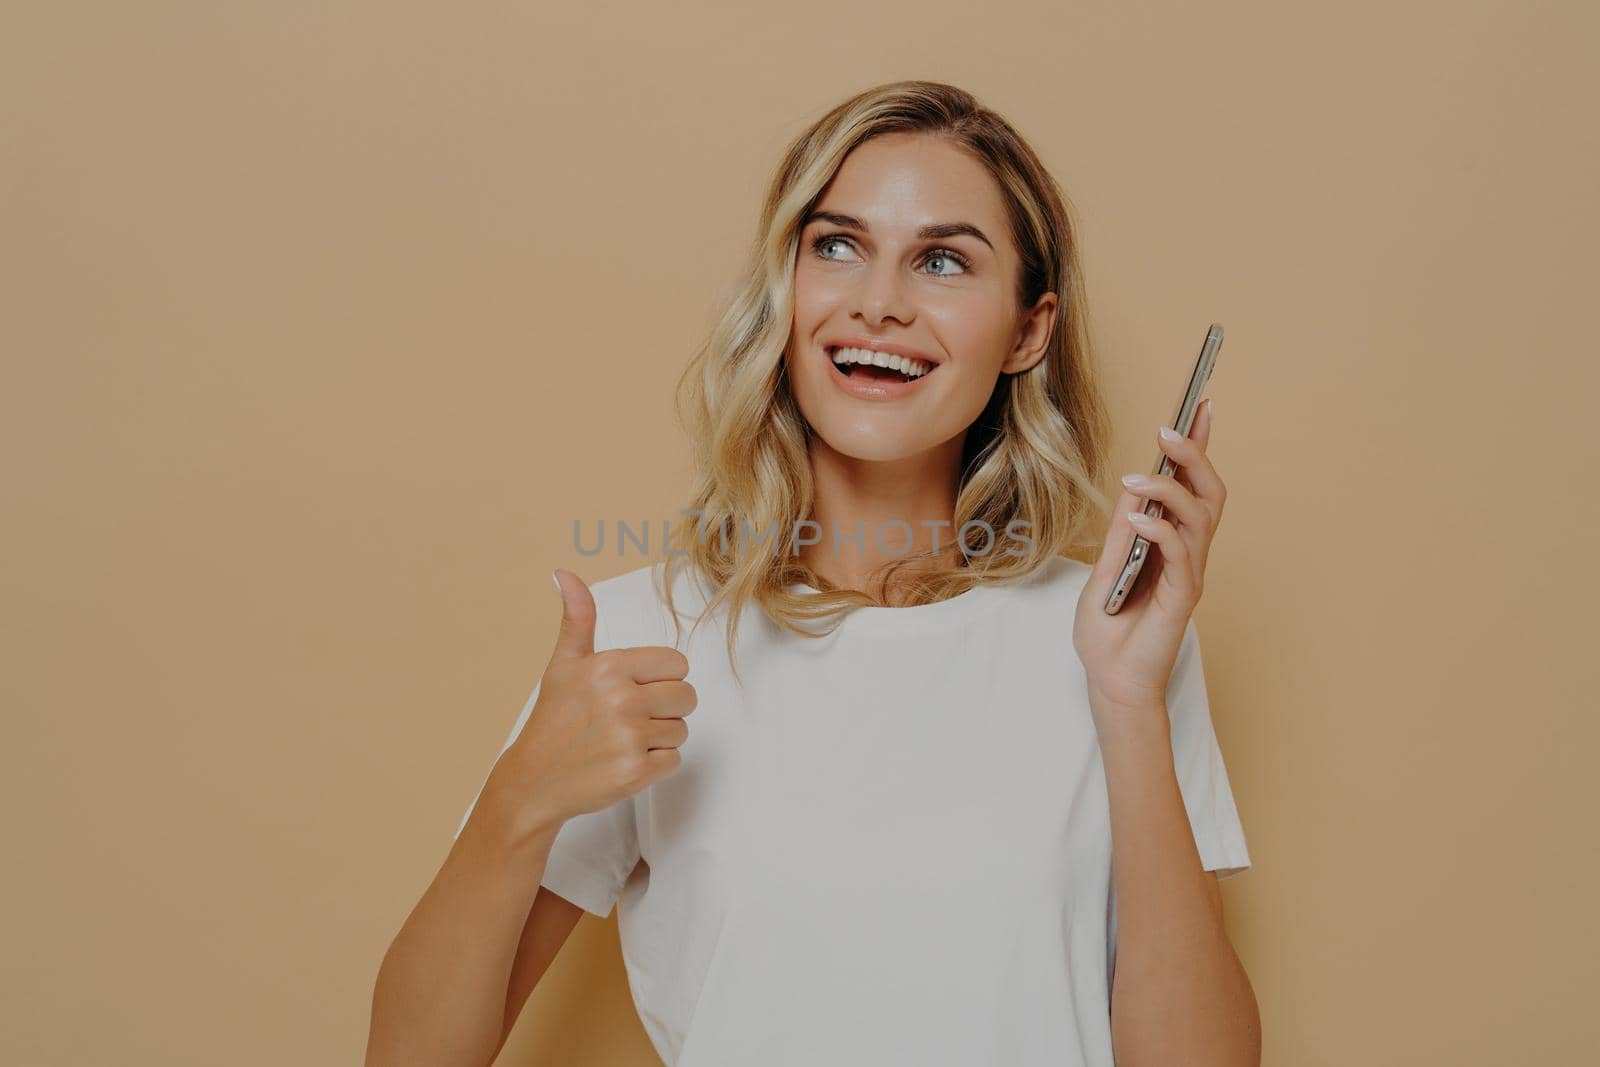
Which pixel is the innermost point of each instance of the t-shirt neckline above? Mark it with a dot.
(884, 619)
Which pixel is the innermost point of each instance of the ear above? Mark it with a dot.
(1033, 336)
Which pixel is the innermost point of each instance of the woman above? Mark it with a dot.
(890, 840)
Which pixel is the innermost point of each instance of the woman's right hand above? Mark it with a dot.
(606, 724)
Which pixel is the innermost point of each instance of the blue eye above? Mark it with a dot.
(942, 254)
(820, 242)
(952, 257)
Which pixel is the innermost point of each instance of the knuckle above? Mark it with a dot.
(556, 675)
(634, 768)
(644, 734)
(606, 666)
(614, 699)
(636, 765)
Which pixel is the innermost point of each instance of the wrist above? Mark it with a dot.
(518, 815)
(1130, 724)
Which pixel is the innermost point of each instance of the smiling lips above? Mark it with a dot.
(874, 373)
(850, 357)
(877, 362)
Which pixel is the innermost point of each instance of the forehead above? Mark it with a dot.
(901, 181)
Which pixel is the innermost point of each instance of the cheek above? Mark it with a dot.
(804, 371)
(815, 296)
(807, 320)
(973, 329)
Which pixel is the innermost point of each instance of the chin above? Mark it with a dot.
(873, 450)
(874, 444)
(875, 433)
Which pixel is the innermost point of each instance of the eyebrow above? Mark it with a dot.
(926, 233)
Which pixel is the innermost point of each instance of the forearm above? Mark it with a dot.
(1180, 994)
(440, 997)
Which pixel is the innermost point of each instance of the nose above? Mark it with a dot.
(882, 294)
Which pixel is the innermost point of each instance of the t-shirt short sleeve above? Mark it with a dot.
(1197, 758)
(595, 852)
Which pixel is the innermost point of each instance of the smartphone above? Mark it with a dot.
(1183, 421)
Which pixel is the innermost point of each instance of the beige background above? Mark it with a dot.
(322, 322)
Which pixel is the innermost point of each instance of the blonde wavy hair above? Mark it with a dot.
(1037, 453)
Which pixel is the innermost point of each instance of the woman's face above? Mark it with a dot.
(908, 247)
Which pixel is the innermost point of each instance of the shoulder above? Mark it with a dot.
(1053, 580)
(632, 606)
(1059, 581)
(1066, 569)
(627, 588)
(1042, 600)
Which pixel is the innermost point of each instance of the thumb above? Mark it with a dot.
(577, 617)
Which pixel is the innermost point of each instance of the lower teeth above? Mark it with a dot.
(877, 372)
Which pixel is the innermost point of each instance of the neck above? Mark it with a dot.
(885, 502)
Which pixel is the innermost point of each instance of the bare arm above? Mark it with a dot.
(1179, 992)
(471, 951)
(550, 922)
(604, 727)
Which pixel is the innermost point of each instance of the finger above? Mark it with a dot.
(1196, 466)
(576, 637)
(1119, 539)
(1176, 500)
(1177, 565)
(670, 699)
(1200, 433)
(652, 663)
(1201, 430)
(662, 762)
(665, 733)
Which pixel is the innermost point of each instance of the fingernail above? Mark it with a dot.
(553, 578)
(1135, 481)
(1211, 407)
(1139, 518)
(1170, 434)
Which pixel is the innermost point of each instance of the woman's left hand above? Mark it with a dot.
(1129, 656)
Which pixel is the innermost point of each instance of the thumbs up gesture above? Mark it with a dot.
(606, 724)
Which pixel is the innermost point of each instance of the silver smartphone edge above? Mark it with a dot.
(1183, 422)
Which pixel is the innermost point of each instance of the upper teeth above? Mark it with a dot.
(914, 368)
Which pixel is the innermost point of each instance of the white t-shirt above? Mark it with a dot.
(893, 845)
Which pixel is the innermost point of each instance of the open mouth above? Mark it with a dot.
(876, 366)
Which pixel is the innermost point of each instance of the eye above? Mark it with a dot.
(822, 242)
(936, 255)
(948, 255)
